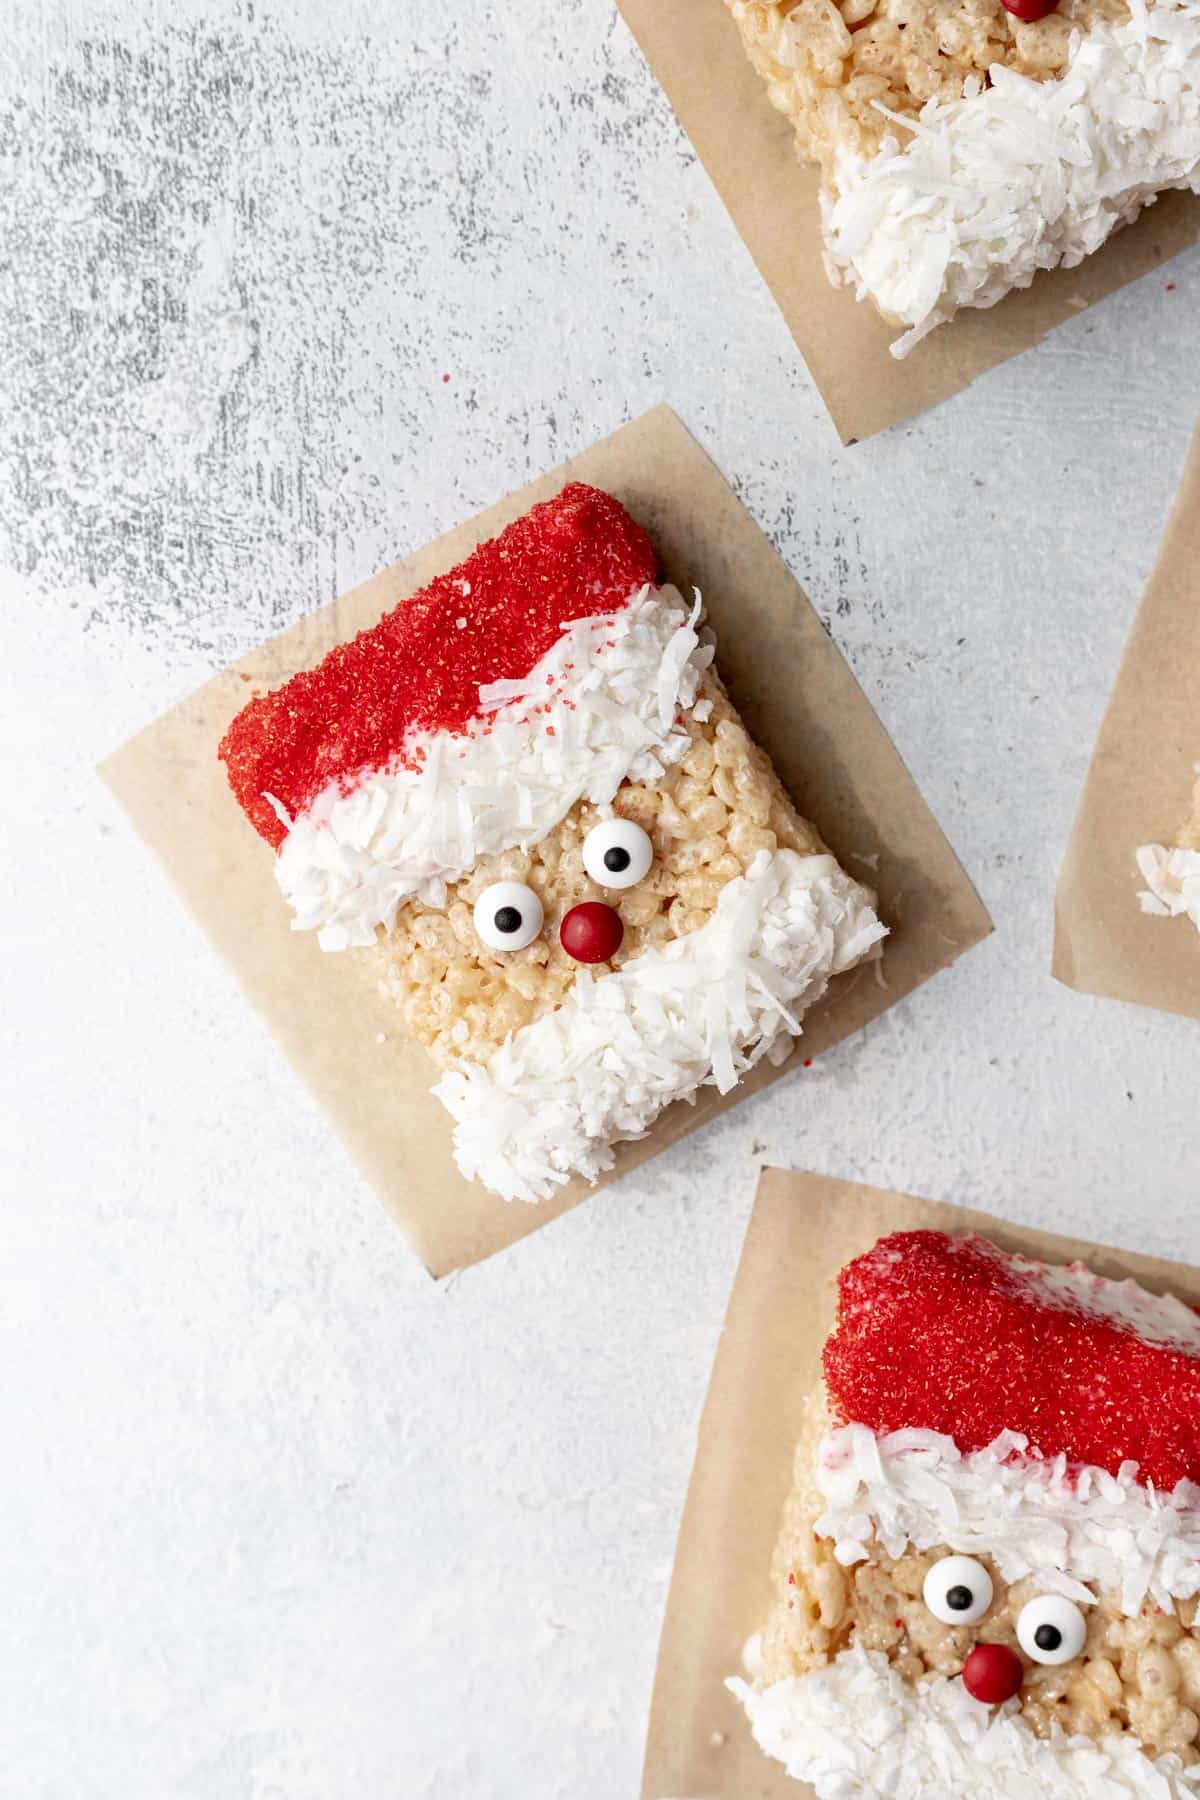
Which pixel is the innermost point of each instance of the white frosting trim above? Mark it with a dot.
(1172, 880)
(555, 1097)
(1068, 1525)
(856, 1730)
(607, 700)
(1159, 1319)
(1023, 175)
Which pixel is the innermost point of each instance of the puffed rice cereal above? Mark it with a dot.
(707, 819)
(829, 68)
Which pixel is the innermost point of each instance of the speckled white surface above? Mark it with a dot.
(280, 1520)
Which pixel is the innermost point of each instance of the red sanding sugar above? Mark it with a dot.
(421, 667)
(947, 1334)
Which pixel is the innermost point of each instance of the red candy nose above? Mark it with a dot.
(993, 1673)
(592, 932)
(1030, 11)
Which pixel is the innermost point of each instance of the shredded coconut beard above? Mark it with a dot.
(556, 1097)
(1172, 880)
(855, 1730)
(1067, 1525)
(1022, 176)
(599, 709)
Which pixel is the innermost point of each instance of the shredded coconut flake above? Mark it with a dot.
(1078, 1529)
(1023, 176)
(856, 1731)
(1172, 880)
(607, 700)
(552, 1101)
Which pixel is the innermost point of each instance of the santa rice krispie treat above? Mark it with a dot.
(986, 1581)
(526, 797)
(965, 144)
(1172, 873)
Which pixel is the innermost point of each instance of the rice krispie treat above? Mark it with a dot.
(986, 1580)
(1172, 873)
(526, 797)
(965, 144)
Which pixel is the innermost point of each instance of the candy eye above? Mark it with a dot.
(958, 1590)
(1051, 1629)
(617, 853)
(508, 915)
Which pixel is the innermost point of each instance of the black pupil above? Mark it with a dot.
(958, 1599)
(1048, 1637)
(508, 918)
(616, 860)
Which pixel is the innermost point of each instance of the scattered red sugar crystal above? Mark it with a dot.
(950, 1334)
(421, 667)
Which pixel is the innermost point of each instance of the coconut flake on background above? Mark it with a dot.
(600, 708)
(1172, 880)
(554, 1098)
(1022, 176)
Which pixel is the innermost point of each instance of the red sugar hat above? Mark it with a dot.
(421, 667)
(953, 1335)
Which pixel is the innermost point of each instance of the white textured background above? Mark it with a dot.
(280, 1520)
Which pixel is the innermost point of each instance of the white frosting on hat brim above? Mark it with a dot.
(600, 708)
(1159, 1319)
(856, 1731)
(1077, 1528)
(1172, 880)
(554, 1098)
(1023, 175)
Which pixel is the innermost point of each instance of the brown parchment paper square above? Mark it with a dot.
(1138, 791)
(694, 49)
(803, 1229)
(798, 699)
